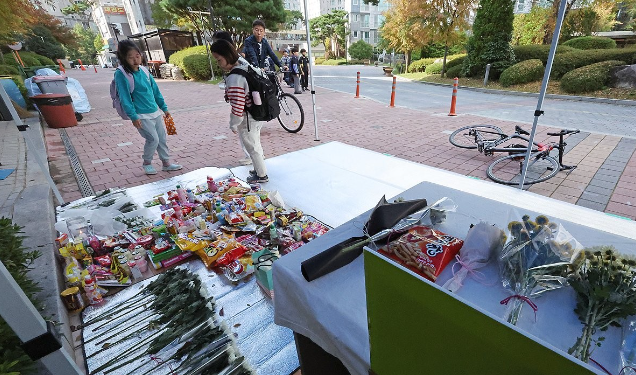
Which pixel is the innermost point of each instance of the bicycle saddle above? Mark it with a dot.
(521, 131)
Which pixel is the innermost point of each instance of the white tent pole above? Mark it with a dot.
(311, 73)
(544, 87)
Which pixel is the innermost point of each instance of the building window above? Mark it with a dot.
(365, 20)
(355, 2)
(355, 17)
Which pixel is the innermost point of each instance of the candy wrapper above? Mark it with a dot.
(535, 260)
(481, 243)
(423, 250)
(218, 248)
(440, 210)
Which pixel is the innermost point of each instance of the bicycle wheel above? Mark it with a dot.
(507, 170)
(292, 116)
(466, 137)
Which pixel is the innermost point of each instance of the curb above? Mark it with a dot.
(536, 95)
(34, 211)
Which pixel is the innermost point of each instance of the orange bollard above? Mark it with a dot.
(454, 99)
(358, 86)
(62, 70)
(95, 67)
(393, 93)
(81, 65)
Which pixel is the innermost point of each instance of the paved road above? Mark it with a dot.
(600, 118)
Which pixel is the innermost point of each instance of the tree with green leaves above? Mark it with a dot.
(86, 50)
(233, 16)
(15, 18)
(42, 42)
(361, 50)
(490, 42)
(330, 30)
(292, 19)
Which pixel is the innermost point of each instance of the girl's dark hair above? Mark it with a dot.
(224, 48)
(123, 48)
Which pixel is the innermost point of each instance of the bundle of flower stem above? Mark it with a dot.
(175, 329)
(533, 262)
(605, 286)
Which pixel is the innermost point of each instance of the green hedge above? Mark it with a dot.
(567, 62)
(17, 260)
(319, 60)
(197, 67)
(536, 51)
(8, 70)
(588, 78)
(420, 65)
(591, 42)
(457, 60)
(334, 62)
(178, 57)
(523, 72)
(434, 68)
(454, 71)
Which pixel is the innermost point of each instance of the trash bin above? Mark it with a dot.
(51, 84)
(57, 109)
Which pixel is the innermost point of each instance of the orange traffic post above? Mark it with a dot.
(358, 86)
(393, 93)
(81, 65)
(454, 99)
(62, 70)
(95, 67)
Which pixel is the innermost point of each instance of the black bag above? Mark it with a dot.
(269, 109)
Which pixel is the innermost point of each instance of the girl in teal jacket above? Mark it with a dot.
(145, 106)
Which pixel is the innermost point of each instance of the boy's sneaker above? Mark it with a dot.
(252, 178)
(149, 169)
(171, 167)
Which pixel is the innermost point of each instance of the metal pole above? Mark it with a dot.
(26, 322)
(487, 74)
(544, 86)
(30, 146)
(311, 73)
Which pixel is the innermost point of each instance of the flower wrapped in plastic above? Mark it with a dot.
(536, 259)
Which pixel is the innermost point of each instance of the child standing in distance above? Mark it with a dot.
(304, 67)
(238, 93)
(294, 67)
(145, 106)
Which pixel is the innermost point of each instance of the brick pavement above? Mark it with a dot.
(110, 149)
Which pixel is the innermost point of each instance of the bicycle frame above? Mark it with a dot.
(490, 147)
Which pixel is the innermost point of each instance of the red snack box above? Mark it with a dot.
(423, 250)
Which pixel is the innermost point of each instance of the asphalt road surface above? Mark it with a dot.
(601, 118)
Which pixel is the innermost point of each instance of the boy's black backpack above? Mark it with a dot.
(269, 109)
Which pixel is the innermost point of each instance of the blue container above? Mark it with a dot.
(14, 92)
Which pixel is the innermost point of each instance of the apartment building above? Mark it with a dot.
(54, 7)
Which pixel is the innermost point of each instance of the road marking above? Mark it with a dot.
(100, 161)
(124, 144)
(219, 137)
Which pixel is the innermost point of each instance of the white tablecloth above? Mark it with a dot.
(331, 310)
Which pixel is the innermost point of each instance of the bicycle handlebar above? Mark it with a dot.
(564, 132)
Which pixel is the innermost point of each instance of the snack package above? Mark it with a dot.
(239, 268)
(190, 243)
(218, 248)
(423, 250)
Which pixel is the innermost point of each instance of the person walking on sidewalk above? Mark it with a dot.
(144, 106)
(294, 68)
(286, 60)
(238, 93)
(304, 68)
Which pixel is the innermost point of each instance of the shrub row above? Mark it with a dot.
(567, 62)
(193, 65)
(17, 260)
(29, 59)
(536, 51)
(334, 62)
(522, 72)
(8, 70)
(434, 68)
(420, 65)
(588, 78)
(591, 42)
(454, 71)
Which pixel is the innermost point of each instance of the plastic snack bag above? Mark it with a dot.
(170, 128)
(423, 250)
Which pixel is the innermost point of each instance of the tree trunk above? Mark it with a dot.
(407, 60)
(551, 22)
(444, 61)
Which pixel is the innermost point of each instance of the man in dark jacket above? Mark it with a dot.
(257, 48)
